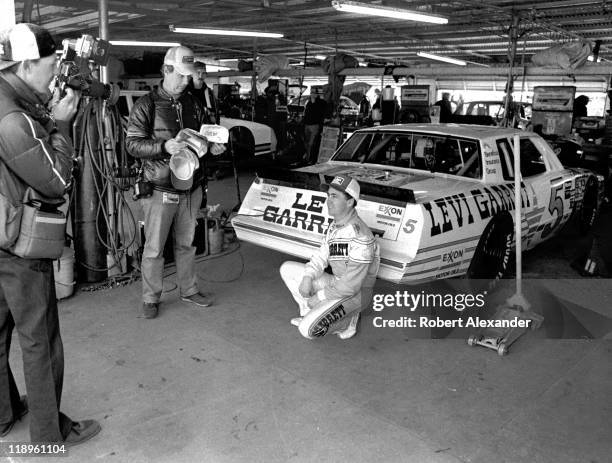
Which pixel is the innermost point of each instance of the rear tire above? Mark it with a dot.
(491, 259)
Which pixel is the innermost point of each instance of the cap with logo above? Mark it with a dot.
(182, 58)
(344, 183)
(25, 41)
(182, 166)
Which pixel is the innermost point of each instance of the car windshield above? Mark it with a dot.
(421, 151)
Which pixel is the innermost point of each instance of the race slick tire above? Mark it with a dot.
(491, 259)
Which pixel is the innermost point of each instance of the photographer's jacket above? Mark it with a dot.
(155, 118)
(32, 151)
(352, 252)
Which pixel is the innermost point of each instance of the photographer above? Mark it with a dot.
(36, 152)
(155, 121)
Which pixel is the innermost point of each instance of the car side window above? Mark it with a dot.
(532, 161)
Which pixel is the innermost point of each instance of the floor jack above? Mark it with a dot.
(500, 339)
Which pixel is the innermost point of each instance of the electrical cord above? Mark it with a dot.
(105, 183)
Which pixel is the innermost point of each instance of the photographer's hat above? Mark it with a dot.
(182, 58)
(23, 42)
(345, 184)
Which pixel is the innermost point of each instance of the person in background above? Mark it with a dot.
(580, 107)
(204, 93)
(446, 109)
(314, 115)
(333, 303)
(154, 123)
(35, 151)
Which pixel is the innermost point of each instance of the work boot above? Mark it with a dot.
(82, 431)
(19, 413)
(200, 299)
(150, 309)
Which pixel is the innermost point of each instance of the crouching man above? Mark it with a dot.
(333, 303)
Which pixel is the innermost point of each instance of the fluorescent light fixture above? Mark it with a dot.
(446, 59)
(386, 12)
(136, 43)
(320, 57)
(230, 32)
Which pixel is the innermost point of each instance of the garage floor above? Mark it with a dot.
(236, 383)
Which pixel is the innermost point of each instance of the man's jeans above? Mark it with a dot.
(158, 218)
(27, 302)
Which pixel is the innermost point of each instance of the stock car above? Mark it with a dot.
(248, 138)
(439, 197)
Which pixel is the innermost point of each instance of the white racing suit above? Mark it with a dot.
(351, 250)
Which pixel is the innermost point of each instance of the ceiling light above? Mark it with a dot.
(387, 12)
(446, 59)
(235, 33)
(321, 57)
(136, 43)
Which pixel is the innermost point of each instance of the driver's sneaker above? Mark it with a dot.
(296, 321)
(351, 329)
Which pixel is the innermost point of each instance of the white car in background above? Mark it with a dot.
(248, 138)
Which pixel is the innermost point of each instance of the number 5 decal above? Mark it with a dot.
(554, 205)
(410, 225)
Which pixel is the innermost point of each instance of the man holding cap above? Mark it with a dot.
(334, 302)
(35, 151)
(155, 121)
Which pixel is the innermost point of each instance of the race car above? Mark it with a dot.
(439, 197)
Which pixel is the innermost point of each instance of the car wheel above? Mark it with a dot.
(588, 210)
(242, 142)
(491, 259)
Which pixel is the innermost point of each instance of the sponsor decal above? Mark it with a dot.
(303, 214)
(452, 256)
(455, 211)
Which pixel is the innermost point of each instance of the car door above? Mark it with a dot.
(541, 212)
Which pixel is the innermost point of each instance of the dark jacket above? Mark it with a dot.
(314, 112)
(33, 152)
(155, 118)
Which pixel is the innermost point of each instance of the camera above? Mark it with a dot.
(75, 68)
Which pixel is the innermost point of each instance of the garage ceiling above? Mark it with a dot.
(477, 31)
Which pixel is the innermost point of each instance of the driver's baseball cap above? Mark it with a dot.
(344, 183)
(24, 41)
(182, 58)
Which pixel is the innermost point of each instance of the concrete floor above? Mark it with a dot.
(236, 383)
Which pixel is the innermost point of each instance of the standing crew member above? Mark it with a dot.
(36, 152)
(204, 93)
(314, 115)
(334, 302)
(155, 121)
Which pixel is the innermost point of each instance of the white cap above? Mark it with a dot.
(182, 58)
(182, 166)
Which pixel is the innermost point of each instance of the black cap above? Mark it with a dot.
(24, 41)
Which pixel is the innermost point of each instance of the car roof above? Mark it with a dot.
(457, 130)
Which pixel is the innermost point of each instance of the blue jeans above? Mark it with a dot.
(158, 218)
(27, 303)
